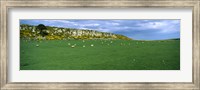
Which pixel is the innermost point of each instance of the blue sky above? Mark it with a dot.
(136, 29)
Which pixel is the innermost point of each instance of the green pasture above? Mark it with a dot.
(99, 55)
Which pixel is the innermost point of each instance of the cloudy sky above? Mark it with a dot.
(136, 29)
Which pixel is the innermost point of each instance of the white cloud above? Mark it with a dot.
(162, 26)
(83, 25)
(103, 30)
(112, 23)
(115, 24)
(62, 21)
(83, 28)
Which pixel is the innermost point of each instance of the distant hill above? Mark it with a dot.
(175, 39)
(58, 33)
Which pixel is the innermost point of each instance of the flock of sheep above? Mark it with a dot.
(92, 45)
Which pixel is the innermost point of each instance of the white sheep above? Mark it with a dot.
(37, 45)
(92, 45)
(73, 46)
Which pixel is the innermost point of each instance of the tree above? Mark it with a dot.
(42, 29)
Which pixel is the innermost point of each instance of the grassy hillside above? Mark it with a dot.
(99, 55)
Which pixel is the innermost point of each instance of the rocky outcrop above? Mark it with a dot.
(30, 32)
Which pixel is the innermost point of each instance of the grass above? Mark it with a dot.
(111, 55)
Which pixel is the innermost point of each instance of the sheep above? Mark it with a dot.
(37, 45)
(73, 46)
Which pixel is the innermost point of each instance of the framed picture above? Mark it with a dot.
(103, 44)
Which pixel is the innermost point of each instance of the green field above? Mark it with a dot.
(104, 55)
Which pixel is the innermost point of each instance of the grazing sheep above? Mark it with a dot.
(92, 45)
(73, 46)
(83, 40)
(83, 45)
(69, 44)
(37, 45)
